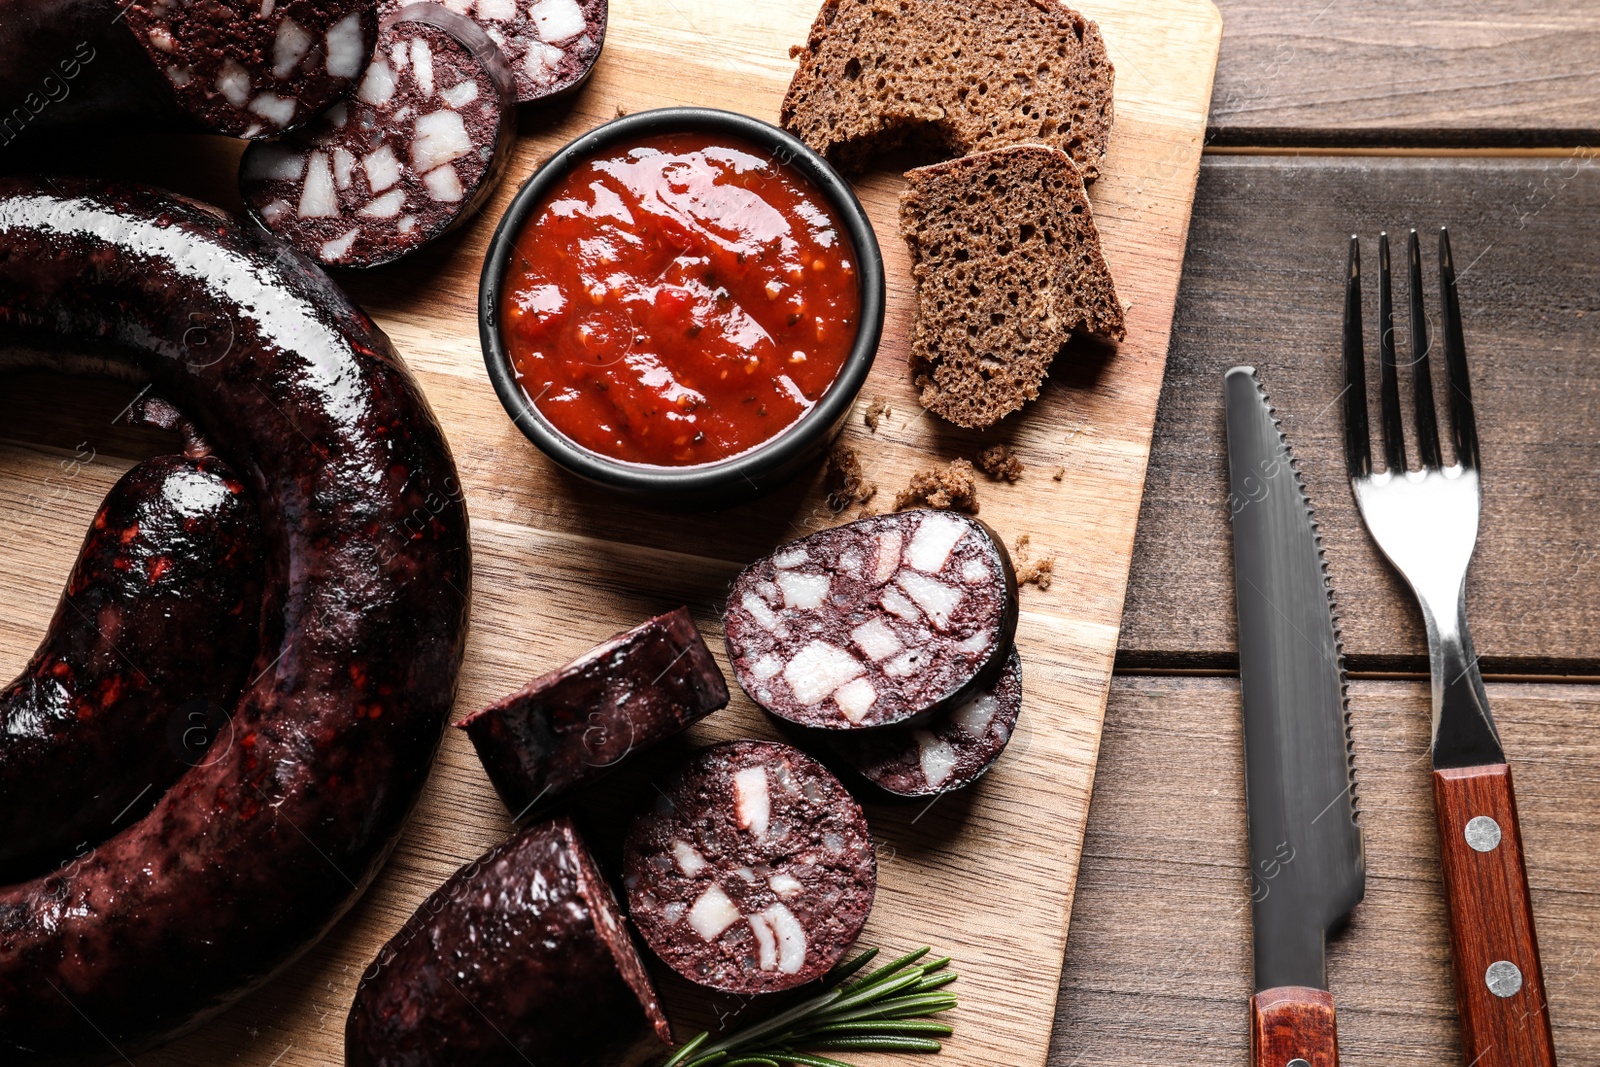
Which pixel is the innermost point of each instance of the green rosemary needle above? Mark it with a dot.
(885, 1011)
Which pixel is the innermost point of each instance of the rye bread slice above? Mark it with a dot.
(956, 76)
(1007, 265)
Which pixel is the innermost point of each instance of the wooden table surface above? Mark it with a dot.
(1326, 120)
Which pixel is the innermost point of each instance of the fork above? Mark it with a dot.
(1425, 522)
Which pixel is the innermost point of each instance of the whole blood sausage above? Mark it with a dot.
(416, 152)
(243, 70)
(551, 44)
(575, 723)
(155, 630)
(252, 854)
(522, 957)
(883, 620)
(753, 870)
(948, 752)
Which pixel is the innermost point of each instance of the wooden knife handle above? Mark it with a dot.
(1293, 1025)
(1500, 991)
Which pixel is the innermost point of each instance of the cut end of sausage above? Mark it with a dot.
(949, 752)
(572, 725)
(753, 871)
(416, 150)
(551, 45)
(259, 72)
(881, 621)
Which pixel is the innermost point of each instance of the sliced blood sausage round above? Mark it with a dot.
(418, 149)
(521, 957)
(253, 853)
(155, 630)
(880, 621)
(752, 871)
(948, 752)
(249, 70)
(550, 44)
(570, 726)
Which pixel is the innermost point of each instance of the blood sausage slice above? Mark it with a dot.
(550, 44)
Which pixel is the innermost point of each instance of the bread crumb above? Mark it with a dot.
(949, 488)
(999, 461)
(847, 484)
(1061, 472)
(875, 413)
(1038, 572)
(622, 112)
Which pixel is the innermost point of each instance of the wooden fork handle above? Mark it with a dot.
(1293, 1026)
(1500, 992)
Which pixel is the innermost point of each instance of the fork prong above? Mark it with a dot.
(1422, 377)
(1357, 444)
(1394, 442)
(1463, 424)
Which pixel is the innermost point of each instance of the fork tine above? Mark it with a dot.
(1463, 424)
(1394, 442)
(1357, 444)
(1422, 377)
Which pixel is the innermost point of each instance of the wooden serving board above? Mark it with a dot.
(985, 876)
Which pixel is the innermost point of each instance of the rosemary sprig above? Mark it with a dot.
(885, 1011)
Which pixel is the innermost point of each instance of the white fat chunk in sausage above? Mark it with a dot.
(382, 167)
(850, 563)
(759, 611)
(497, 9)
(274, 162)
(439, 137)
(752, 804)
(785, 885)
(932, 596)
(460, 7)
(339, 247)
(406, 225)
(673, 911)
(791, 557)
(275, 211)
(278, 110)
(289, 47)
(746, 874)
(855, 699)
(877, 639)
(338, 114)
(904, 665)
(444, 184)
(266, 7)
(974, 572)
(386, 206)
(344, 165)
(377, 88)
(690, 862)
(976, 643)
(931, 545)
(975, 715)
(399, 55)
(806, 591)
(819, 669)
(557, 20)
(541, 60)
(896, 603)
(936, 757)
(780, 940)
(233, 82)
(318, 198)
(161, 40)
(765, 667)
(766, 942)
(713, 913)
(422, 65)
(460, 94)
(179, 76)
(347, 47)
(888, 561)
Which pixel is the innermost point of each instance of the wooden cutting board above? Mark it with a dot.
(985, 876)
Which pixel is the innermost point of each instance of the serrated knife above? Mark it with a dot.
(1306, 861)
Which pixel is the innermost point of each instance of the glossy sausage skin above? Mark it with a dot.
(154, 632)
(251, 856)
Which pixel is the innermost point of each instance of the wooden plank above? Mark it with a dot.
(560, 565)
(1407, 72)
(1157, 971)
(1263, 284)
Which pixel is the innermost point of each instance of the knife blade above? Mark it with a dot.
(1307, 864)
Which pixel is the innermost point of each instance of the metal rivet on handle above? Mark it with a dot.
(1503, 978)
(1483, 834)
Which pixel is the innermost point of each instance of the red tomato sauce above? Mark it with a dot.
(680, 301)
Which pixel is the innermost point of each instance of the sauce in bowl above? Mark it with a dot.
(680, 301)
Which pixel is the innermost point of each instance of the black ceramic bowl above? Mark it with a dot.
(727, 481)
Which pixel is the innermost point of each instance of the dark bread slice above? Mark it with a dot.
(1008, 266)
(956, 75)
